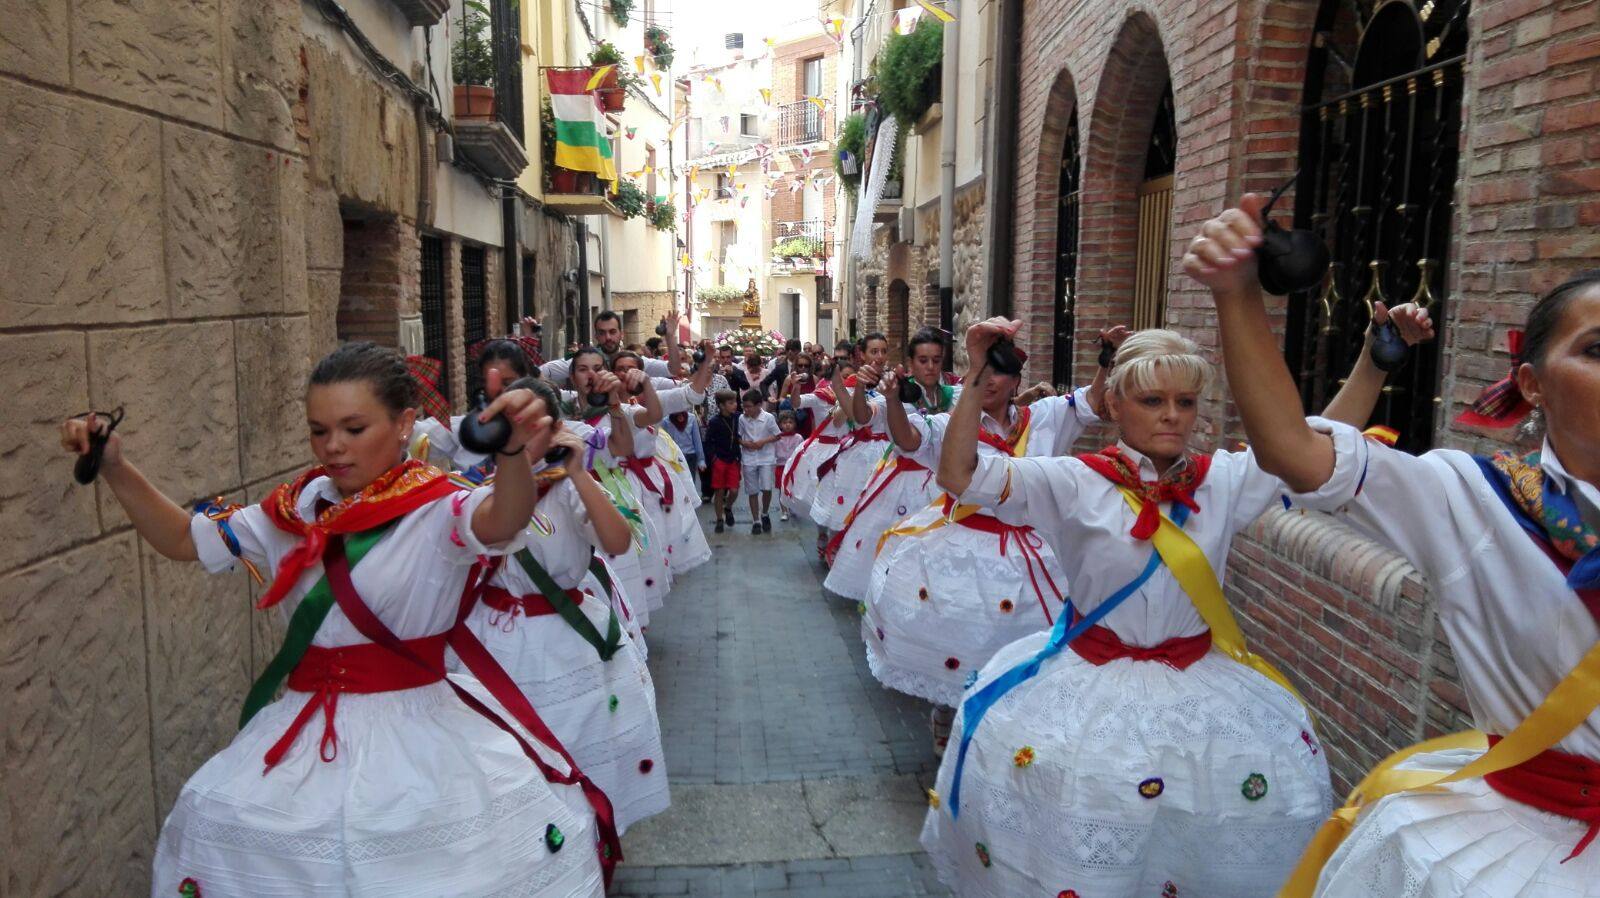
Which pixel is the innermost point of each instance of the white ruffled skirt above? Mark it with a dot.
(424, 797)
(800, 475)
(655, 575)
(907, 493)
(604, 712)
(941, 603)
(1135, 775)
(838, 490)
(1463, 841)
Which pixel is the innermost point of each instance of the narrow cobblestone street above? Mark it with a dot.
(793, 772)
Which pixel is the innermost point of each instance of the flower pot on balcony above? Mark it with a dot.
(565, 181)
(612, 96)
(474, 101)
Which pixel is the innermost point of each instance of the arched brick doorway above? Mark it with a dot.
(1117, 150)
(899, 312)
(1053, 247)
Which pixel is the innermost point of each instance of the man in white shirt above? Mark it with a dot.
(758, 431)
(607, 339)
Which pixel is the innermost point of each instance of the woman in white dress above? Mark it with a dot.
(952, 585)
(660, 492)
(370, 776)
(1510, 546)
(433, 439)
(843, 474)
(599, 400)
(568, 650)
(902, 484)
(1120, 753)
(797, 482)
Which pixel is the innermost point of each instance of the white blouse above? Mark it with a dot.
(1056, 423)
(1086, 521)
(1514, 625)
(673, 400)
(412, 577)
(443, 443)
(561, 537)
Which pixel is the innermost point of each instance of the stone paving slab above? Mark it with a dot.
(893, 876)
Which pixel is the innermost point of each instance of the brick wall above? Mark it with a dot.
(1349, 621)
(381, 273)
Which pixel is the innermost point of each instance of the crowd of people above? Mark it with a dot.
(468, 710)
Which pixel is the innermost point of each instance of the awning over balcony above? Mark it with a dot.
(491, 146)
(423, 13)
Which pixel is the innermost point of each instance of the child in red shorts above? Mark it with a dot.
(722, 447)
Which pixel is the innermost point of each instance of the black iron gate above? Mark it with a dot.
(435, 344)
(1378, 148)
(1067, 256)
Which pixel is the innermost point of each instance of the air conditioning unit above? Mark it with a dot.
(733, 40)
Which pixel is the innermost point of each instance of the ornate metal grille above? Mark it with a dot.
(1067, 256)
(1378, 147)
(474, 309)
(505, 30)
(435, 344)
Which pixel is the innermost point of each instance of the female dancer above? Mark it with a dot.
(901, 484)
(843, 475)
(1139, 761)
(434, 437)
(952, 585)
(1509, 544)
(368, 776)
(570, 652)
(598, 401)
(797, 482)
(669, 509)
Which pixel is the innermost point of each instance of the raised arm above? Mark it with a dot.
(609, 526)
(503, 515)
(700, 379)
(860, 408)
(163, 523)
(1355, 401)
(649, 412)
(958, 454)
(674, 356)
(907, 438)
(1222, 258)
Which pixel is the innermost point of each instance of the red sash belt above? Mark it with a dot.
(862, 434)
(1557, 782)
(1099, 645)
(363, 668)
(1027, 542)
(786, 481)
(901, 465)
(641, 469)
(507, 606)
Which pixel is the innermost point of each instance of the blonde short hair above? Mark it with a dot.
(1150, 357)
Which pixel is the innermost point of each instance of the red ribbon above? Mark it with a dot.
(641, 469)
(507, 606)
(862, 434)
(901, 466)
(1557, 782)
(1099, 645)
(1501, 404)
(1027, 541)
(786, 483)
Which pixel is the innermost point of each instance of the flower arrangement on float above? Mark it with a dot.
(743, 339)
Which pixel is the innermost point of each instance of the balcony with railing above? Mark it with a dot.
(487, 63)
(801, 123)
(801, 247)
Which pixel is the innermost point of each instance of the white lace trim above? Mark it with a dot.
(920, 685)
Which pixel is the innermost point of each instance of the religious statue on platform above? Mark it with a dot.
(752, 306)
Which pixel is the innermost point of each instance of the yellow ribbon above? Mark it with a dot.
(1569, 704)
(1196, 578)
(420, 447)
(957, 515)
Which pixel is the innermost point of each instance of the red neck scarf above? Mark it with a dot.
(1115, 466)
(1008, 443)
(398, 492)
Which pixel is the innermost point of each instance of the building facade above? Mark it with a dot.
(203, 199)
(801, 198)
(1447, 151)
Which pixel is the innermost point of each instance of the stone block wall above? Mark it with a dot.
(1350, 622)
(154, 257)
(650, 305)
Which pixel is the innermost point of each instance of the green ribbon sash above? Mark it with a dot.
(569, 611)
(303, 626)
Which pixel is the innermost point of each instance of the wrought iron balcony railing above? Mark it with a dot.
(802, 122)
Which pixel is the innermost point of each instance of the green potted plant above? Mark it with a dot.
(719, 293)
(851, 145)
(613, 95)
(620, 10)
(659, 45)
(631, 200)
(907, 71)
(472, 64)
(663, 215)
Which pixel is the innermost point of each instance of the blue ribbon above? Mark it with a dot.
(975, 706)
(1585, 573)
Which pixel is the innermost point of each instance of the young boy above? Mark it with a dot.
(723, 449)
(789, 439)
(758, 431)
